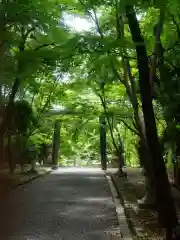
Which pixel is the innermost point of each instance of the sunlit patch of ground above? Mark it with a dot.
(114, 234)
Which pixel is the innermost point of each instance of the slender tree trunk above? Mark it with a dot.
(103, 101)
(17, 81)
(129, 83)
(130, 86)
(33, 165)
(95, 19)
(103, 149)
(166, 208)
(2, 55)
(10, 158)
(117, 148)
(1, 149)
(56, 144)
(121, 147)
(149, 200)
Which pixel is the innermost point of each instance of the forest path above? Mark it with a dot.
(68, 204)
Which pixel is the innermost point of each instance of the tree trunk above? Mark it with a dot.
(103, 142)
(1, 149)
(56, 144)
(130, 86)
(33, 166)
(177, 163)
(17, 81)
(149, 200)
(103, 101)
(165, 205)
(10, 159)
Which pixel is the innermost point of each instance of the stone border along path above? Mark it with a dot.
(31, 178)
(122, 220)
(11, 182)
(67, 204)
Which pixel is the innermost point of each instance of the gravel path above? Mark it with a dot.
(69, 204)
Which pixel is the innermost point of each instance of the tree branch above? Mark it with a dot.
(107, 117)
(129, 127)
(176, 24)
(29, 31)
(44, 45)
(158, 49)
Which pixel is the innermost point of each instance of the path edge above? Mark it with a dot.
(28, 181)
(120, 211)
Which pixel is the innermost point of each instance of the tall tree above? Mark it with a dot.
(166, 208)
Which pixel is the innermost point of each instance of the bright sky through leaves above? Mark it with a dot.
(77, 23)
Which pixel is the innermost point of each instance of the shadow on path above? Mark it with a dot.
(69, 204)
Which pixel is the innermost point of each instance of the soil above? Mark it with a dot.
(143, 223)
(11, 181)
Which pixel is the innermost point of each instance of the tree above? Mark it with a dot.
(160, 176)
(17, 129)
(56, 142)
(46, 63)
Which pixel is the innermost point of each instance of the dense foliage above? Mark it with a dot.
(79, 61)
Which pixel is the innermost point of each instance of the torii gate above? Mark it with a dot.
(56, 137)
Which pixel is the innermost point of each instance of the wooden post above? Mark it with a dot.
(103, 142)
(56, 143)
